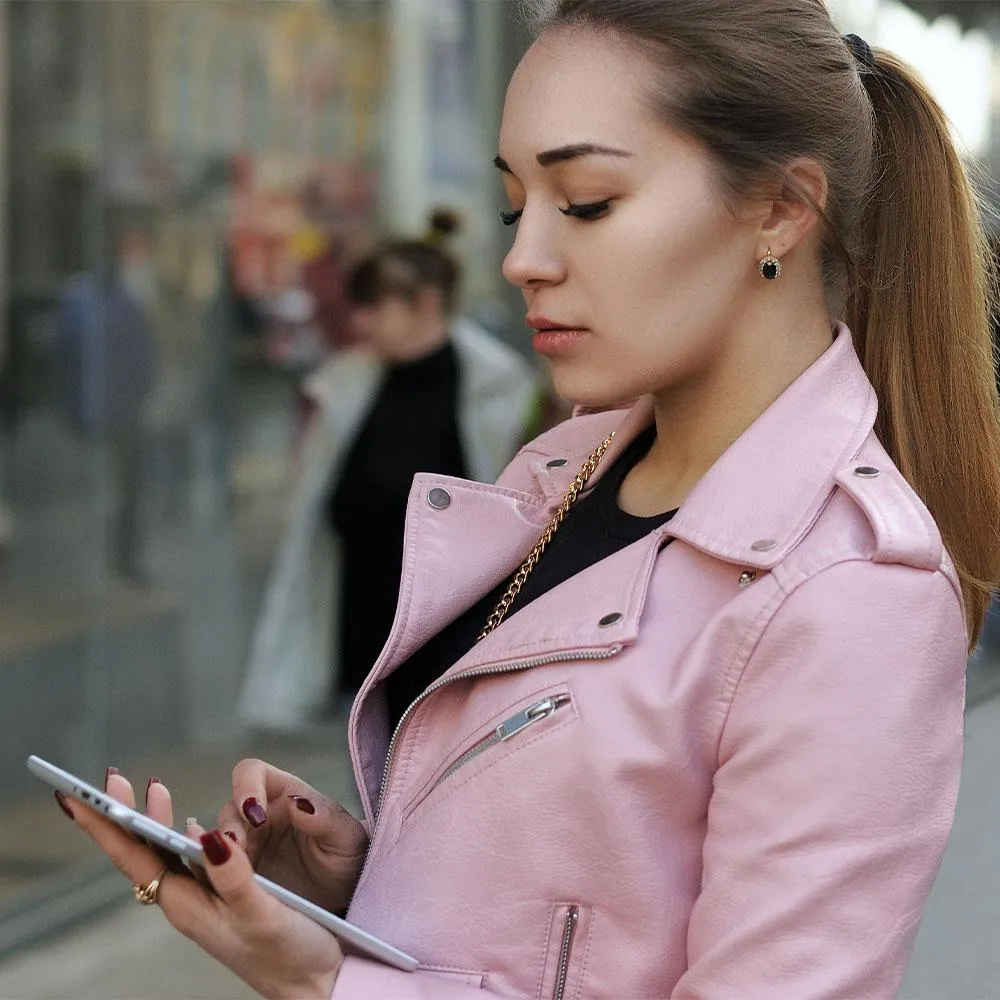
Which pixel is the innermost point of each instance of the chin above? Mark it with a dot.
(591, 394)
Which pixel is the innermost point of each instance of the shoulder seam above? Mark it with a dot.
(764, 619)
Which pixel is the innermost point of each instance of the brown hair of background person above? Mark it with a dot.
(904, 258)
(442, 226)
(404, 268)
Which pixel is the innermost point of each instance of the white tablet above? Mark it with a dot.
(191, 852)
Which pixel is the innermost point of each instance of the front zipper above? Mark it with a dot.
(508, 728)
(503, 668)
(569, 931)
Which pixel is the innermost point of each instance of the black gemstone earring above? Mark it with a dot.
(770, 266)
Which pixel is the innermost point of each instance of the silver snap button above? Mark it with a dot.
(764, 545)
(439, 499)
(556, 463)
(613, 619)
(867, 472)
(747, 577)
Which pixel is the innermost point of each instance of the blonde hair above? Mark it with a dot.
(763, 82)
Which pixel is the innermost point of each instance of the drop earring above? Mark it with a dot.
(770, 266)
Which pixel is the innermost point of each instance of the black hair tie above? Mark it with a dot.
(861, 51)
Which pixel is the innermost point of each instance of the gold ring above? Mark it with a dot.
(148, 894)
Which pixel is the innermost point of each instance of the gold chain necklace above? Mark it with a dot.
(569, 498)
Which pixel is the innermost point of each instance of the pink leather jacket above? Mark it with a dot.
(726, 767)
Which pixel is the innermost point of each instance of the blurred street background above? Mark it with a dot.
(215, 162)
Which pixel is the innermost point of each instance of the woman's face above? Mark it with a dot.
(625, 249)
(399, 330)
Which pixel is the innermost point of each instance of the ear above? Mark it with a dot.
(795, 206)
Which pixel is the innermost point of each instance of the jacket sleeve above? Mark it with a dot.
(364, 979)
(835, 790)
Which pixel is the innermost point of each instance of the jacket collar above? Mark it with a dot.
(758, 500)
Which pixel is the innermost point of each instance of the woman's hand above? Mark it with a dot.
(278, 952)
(293, 835)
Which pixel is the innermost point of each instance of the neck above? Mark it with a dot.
(424, 342)
(698, 420)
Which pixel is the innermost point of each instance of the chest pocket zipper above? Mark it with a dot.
(536, 712)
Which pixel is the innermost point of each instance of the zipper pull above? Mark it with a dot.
(533, 713)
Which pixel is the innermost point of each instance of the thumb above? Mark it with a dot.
(232, 877)
(328, 823)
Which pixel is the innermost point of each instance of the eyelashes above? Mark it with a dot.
(586, 213)
(593, 210)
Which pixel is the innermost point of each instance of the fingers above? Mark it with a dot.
(333, 829)
(118, 787)
(136, 861)
(260, 789)
(231, 823)
(262, 795)
(255, 785)
(157, 797)
(159, 805)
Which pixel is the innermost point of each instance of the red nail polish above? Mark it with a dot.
(216, 849)
(231, 836)
(254, 812)
(61, 799)
(108, 771)
(303, 805)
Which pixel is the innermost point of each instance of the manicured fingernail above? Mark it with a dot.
(152, 781)
(216, 849)
(107, 774)
(61, 799)
(254, 812)
(231, 836)
(303, 805)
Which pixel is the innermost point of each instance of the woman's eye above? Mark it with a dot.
(508, 218)
(592, 210)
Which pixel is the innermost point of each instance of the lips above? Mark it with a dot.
(551, 338)
(552, 343)
(545, 325)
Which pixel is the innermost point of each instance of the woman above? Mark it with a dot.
(426, 391)
(722, 759)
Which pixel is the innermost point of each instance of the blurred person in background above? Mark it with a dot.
(690, 677)
(105, 366)
(426, 391)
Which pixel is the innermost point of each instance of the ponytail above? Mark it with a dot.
(920, 311)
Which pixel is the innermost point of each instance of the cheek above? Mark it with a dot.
(679, 256)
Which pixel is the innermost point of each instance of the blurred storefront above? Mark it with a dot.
(170, 169)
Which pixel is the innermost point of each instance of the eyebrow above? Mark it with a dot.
(564, 153)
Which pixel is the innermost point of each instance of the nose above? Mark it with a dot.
(535, 258)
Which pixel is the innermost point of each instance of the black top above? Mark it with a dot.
(412, 427)
(596, 527)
